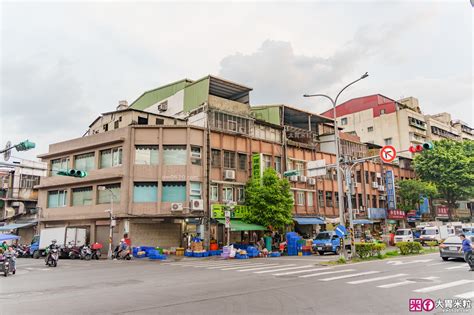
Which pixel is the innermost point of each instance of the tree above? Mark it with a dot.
(450, 166)
(270, 201)
(410, 191)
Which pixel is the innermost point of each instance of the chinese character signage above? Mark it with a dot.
(390, 183)
(396, 214)
(377, 213)
(442, 212)
(424, 205)
(218, 212)
(257, 168)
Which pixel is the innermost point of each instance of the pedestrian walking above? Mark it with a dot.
(467, 249)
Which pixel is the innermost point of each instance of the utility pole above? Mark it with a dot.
(111, 215)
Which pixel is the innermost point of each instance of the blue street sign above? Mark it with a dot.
(341, 230)
(390, 183)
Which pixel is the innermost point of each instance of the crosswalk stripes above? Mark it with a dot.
(283, 269)
(465, 266)
(377, 278)
(245, 269)
(246, 264)
(436, 264)
(325, 273)
(443, 286)
(396, 284)
(238, 267)
(300, 271)
(467, 295)
(349, 276)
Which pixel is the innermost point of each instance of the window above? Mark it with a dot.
(84, 162)
(359, 176)
(300, 166)
(320, 198)
(242, 161)
(116, 124)
(388, 141)
(240, 194)
(160, 121)
(360, 201)
(105, 127)
(174, 155)
(195, 155)
(57, 198)
(146, 154)
(142, 121)
(277, 160)
(214, 193)
(59, 164)
(366, 177)
(82, 196)
(227, 194)
(229, 159)
(382, 111)
(300, 198)
(343, 121)
(370, 129)
(110, 157)
(28, 181)
(216, 158)
(195, 191)
(374, 201)
(329, 198)
(174, 192)
(105, 195)
(310, 199)
(232, 125)
(336, 199)
(145, 192)
(267, 161)
(372, 176)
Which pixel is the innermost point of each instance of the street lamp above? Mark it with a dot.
(336, 136)
(111, 213)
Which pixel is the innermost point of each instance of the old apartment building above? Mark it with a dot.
(380, 120)
(172, 159)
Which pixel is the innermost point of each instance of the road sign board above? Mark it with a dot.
(317, 168)
(388, 153)
(340, 230)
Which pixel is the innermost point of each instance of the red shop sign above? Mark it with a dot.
(396, 214)
(442, 211)
(411, 213)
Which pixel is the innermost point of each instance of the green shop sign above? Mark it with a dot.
(218, 212)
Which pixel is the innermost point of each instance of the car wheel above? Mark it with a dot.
(445, 258)
(36, 254)
(321, 253)
(338, 251)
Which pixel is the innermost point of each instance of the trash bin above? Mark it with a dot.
(268, 243)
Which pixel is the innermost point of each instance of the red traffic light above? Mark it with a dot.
(421, 147)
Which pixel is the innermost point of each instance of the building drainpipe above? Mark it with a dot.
(207, 216)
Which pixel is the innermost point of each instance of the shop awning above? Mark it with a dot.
(309, 220)
(15, 226)
(363, 221)
(237, 225)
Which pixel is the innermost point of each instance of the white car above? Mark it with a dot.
(403, 235)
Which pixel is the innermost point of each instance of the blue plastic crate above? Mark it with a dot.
(205, 254)
(241, 256)
(188, 253)
(197, 254)
(275, 254)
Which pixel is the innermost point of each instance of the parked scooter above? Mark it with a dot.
(95, 248)
(86, 252)
(23, 251)
(122, 251)
(71, 251)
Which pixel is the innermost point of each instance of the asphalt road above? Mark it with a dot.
(287, 285)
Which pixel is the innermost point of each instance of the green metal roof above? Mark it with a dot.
(154, 96)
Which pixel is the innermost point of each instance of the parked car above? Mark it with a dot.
(328, 241)
(451, 247)
(404, 235)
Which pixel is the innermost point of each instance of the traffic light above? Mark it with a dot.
(25, 145)
(421, 147)
(73, 173)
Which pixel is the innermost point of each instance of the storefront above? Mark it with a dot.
(396, 218)
(308, 227)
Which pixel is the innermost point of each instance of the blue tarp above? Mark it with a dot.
(309, 220)
(363, 221)
(8, 237)
(14, 226)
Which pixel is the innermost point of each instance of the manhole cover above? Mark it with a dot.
(420, 280)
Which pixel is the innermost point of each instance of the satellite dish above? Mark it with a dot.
(7, 153)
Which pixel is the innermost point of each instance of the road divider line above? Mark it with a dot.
(325, 273)
(244, 269)
(350, 276)
(377, 278)
(440, 263)
(396, 284)
(443, 286)
(283, 269)
(457, 267)
(300, 271)
(467, 295)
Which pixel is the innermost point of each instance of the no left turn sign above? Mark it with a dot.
(388, 153)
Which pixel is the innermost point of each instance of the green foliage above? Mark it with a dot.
(368, 250)
(431, 244)
(450, 166)
(341, 260)
(392, 253)
(410, 190)
(408, 248)
(270, 201)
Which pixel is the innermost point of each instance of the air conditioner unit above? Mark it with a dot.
(293, 178)
(229, 174)
(375, 185)
(163, 107)
(379, 175)
(197, 204)
(242, 129)
(312, 181)
(175, 206)
(302, 179)
(382, 197)
(381, 188)
(356, 185)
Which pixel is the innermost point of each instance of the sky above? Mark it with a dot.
(63, 63)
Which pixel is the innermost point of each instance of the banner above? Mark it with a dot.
(396, 214)
(442, 212)
(218, 211)
(390, 183)
(424, 205)
(377, 213)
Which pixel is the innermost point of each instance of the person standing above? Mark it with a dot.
(467, 249)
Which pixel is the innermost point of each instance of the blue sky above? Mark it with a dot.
(63, 64)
